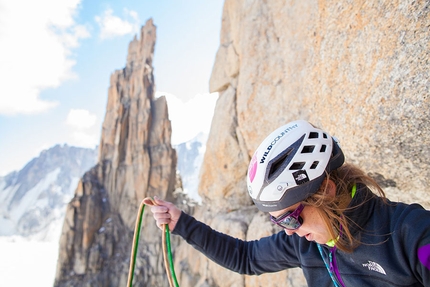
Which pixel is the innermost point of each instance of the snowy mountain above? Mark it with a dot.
(190, 158)
(33, 204)
(33, 200)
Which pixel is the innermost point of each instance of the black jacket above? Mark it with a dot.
(395, 249)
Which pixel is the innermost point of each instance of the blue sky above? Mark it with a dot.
(56, 58)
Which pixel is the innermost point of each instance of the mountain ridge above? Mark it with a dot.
(33, 199)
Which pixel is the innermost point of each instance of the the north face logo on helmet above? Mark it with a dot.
(300, 177)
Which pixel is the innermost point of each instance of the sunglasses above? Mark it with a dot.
(290, 220)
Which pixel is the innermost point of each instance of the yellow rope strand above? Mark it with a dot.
(166, 261)
(134, 247)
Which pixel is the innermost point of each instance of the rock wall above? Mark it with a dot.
(136, 160)
(358, 69)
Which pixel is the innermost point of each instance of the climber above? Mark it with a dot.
(338, 226)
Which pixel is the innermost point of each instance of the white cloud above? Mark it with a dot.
(84, 139)
(83, 125)
(81, 119)
(112, 26)
(35, 45)
(191, 117)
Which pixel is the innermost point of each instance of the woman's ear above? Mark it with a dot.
(330, 187)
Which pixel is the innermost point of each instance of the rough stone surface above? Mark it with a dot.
(360, 70)
(136, 160)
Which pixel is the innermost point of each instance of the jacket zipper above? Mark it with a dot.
(332, 266)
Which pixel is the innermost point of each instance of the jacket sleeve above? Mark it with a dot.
(269, 254)
(416, 232)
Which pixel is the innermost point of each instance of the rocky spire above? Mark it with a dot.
(135, 160)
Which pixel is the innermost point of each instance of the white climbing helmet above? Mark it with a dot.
(290, 165)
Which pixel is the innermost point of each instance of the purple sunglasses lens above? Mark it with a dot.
(290, 220)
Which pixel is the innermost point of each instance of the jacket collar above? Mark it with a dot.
(360, 209)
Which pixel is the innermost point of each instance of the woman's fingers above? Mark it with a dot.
(165, 212)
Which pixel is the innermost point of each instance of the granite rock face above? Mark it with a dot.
(136, 160)
(360, 70)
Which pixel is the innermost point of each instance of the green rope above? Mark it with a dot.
(136, 244)
(169, 252)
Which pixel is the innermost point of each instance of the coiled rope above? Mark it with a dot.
(167, 251)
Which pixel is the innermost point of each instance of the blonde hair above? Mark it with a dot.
(332, 208)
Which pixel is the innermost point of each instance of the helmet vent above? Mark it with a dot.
(279, 164)
(314, 164)
(297, 166)
(313, 135)
(308, 149)
(324, 135)
(323, 148)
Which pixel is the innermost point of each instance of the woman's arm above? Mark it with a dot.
(269, 254)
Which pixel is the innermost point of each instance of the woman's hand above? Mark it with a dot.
(165, 213)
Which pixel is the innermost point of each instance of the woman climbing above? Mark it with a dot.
(338, 226)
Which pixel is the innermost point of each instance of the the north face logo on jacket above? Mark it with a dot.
(373, 266)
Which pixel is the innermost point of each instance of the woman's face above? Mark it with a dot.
(313, 227)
